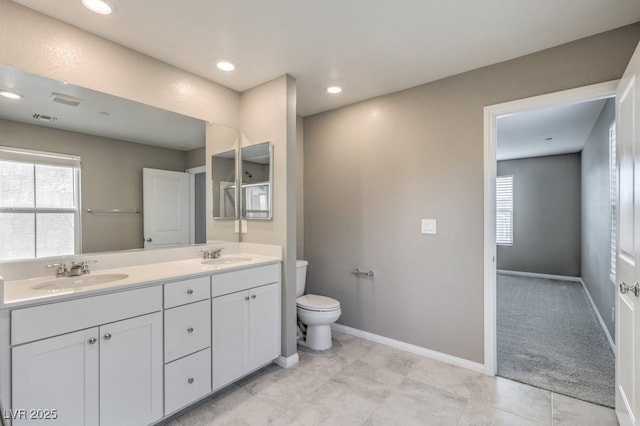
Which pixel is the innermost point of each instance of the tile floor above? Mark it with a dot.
(366, 383)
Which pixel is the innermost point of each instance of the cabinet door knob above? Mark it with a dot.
(253, 296)
(190, 291)
(107, 336)
(92, 340)
(190, 330)
(190, 380)
(246, 298)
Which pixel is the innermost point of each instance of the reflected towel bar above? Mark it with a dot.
(113, 211)
(359, 273)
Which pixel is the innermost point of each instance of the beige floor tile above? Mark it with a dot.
(516, 398)
(460, 381)
(414, 399)
(385, 417)
(334, 403)
(377, 383)
(382, 356)
(477, 415)
(569, 411)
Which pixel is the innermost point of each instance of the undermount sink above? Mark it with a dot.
(227, 260)
(66, 283)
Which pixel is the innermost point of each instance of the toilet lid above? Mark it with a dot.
(313, 302)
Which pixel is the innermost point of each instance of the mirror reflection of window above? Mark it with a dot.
(39, 204)
(256, 198)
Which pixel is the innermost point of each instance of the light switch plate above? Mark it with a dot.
(244, 225)
(429, 226)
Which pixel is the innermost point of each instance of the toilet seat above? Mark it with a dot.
(316, 303)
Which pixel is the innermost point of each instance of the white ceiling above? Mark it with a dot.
(526, 134)
(124, 119)
(369, 47)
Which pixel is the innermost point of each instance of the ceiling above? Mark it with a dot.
(553, 130)
(97, 113)
(369, 47)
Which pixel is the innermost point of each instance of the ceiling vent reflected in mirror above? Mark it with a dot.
(43, 117)
(65, 99)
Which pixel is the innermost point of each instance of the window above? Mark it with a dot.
(504, 210)
(613, 193)
(39, 204)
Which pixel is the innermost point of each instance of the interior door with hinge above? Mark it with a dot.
(628, 250)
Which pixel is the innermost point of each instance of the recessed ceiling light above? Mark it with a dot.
(10, 95)
(334, 89)
(97, 6)
(224, 65)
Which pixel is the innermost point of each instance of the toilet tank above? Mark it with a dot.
(301, 276)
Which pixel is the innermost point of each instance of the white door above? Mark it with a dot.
(131, 369)
(165, 203)
(628, 254)
(55, 380)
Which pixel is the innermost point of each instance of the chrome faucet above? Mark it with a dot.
(76, 269)
(211, 253)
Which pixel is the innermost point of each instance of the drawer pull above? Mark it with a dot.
(190, 380)
(92, 340)
(190, 330)
(190, 291)
(246, 298)
(253, 296)
(107, 336)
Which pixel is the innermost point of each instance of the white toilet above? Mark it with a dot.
(316, 313)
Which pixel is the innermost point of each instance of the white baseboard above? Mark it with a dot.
(600, 320)
(537, 275)
(439, 356)
(287, 362)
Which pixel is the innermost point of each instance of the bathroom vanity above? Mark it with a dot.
(145, 342)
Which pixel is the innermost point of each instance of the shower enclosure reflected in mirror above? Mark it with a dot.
(223, 176)
(256, 177)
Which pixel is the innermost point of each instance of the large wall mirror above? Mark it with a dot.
(256, 175)
(113, 139)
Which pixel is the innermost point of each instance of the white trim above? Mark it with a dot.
(491, 114)
(287, 362)
(418, 350)
(600, 320)
(196, 170)
(537, 275)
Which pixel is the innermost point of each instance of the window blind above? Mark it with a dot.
(504, 210)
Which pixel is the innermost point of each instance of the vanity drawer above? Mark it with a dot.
(231, 282)
(56, 318)
(187, 329)
(186, 380)
(187, 291)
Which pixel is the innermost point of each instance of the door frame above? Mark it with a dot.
(491, 114)
(192, 199)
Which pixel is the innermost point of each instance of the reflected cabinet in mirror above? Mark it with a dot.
(257, 181)
(223, 177)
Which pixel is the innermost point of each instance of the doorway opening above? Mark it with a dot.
(529, 248)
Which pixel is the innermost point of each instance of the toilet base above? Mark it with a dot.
(318, 337)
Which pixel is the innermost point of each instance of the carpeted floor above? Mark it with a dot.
(549, 337)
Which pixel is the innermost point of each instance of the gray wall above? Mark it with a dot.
(546, 215)
(111, 178)
(195, 158)
(596, 216)
(372, 170)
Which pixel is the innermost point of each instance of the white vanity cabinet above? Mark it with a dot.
(245, 322)
(187, 342)
(107, 373)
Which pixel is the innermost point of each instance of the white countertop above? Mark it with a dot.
(20, 293)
